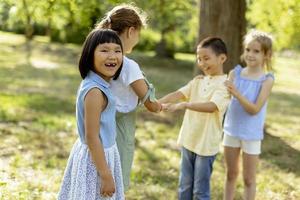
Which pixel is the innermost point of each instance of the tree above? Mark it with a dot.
(227, 21)
(280, 18)
(171, 18)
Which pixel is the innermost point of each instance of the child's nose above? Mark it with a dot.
(112, 54)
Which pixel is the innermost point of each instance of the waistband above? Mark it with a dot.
(83, 144)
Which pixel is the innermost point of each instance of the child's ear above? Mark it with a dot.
(223, 58)
(130, 31)
(127, 32)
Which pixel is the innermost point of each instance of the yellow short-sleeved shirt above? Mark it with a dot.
(201, 132)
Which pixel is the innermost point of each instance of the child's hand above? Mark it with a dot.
(165, 106)
(107, 188)
(160, 107)
(231, 88)
(174, 107)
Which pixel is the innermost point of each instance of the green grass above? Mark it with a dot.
(37, 125)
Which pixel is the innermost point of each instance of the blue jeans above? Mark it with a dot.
(195, 173)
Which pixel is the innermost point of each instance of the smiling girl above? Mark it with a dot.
(94, 170)
(250, 88)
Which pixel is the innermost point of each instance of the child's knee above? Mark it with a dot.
(249, 181)
(232, 175)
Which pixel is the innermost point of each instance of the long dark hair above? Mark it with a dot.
(94, 38)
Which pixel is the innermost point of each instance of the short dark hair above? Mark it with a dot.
(215, 43)
(94, 38)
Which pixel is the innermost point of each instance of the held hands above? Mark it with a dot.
(107, 188)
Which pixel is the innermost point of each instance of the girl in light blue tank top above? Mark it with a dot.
(94, 169)
(238, 122)
(250, 88)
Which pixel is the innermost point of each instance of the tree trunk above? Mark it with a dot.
(29, 25)
(227, 21)
(49, 16)
(165, 48)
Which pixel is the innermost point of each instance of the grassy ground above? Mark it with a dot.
(37, 126)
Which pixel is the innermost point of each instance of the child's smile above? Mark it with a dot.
(107, 59)
(209, 62)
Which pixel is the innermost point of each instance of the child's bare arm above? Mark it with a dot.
(252, 108)
(207, 107)
(172, 97)
(94, 104)
(140, 87)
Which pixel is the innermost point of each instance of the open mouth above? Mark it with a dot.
(110, 64)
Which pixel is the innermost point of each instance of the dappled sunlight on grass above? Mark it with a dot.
(38, 127)
(287, 72)
(185, 57)
(11, 39)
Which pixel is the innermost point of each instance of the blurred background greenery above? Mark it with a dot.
(69, 21)
(40, 42)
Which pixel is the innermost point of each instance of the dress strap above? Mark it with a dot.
(267, 76)
(237, 71)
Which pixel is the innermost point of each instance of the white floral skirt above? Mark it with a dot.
(81, 180)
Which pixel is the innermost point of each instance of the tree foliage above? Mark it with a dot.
(173, 24)
(280, 18)
(172, 19)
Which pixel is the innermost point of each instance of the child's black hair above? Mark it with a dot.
(94, 38)
(215, 43)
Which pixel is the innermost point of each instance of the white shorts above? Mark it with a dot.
(248, 146)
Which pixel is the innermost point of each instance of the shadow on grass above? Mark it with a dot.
(157, 171)
(49, 104)
(154, 163)
(278, 152)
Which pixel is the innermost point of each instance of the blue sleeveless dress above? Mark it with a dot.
(81, 180)
(239, 123)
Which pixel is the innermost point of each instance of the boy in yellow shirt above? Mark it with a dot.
(205, 100)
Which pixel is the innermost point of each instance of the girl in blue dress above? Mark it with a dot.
(250, 88)
(94, 171)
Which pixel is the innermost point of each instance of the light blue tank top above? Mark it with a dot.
(107, 132)
(238, 122)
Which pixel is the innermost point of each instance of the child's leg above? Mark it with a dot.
(251, 151)
(231, 156)
(202, 173)
(186, 177)
(232, 147)
(249, 174)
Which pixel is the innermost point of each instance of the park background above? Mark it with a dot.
(40, 42)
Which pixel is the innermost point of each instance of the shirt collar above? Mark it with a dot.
(209, 77)
(98, 79)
